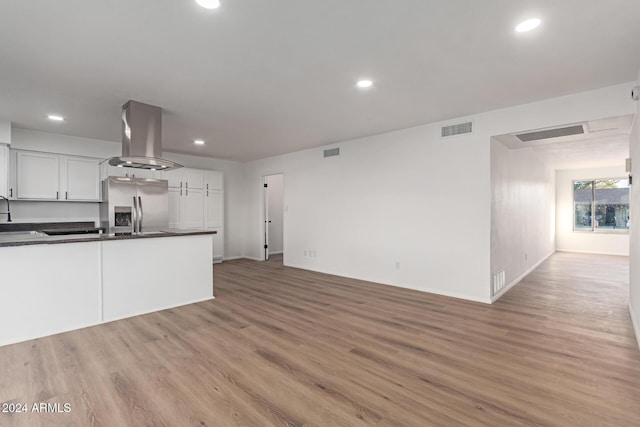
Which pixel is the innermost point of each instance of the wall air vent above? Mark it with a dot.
(551, 133)
(332, 152)
(459, 129)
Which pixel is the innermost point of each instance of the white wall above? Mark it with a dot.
(5, 132)
(27, 211)
(522, 212)
(276, 206)
(581, 241)
(407, 208)
(634, 256)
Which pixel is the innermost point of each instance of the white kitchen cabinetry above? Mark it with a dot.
(191, 209)
(196, 201)
(4, 171)
(184, 178)
(186, 208)
(213, 180)
(37, 176)
(47, 176)
(79, 179)
(214, 211)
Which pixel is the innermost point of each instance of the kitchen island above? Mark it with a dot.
(52, 284)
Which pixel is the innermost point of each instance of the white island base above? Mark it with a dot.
(48, 289)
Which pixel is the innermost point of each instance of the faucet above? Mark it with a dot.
(8, 212)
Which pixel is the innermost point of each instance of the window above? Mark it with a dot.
(601, 205)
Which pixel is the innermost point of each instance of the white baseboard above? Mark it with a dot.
(276, 253)
(634, 322)
(591, 252)
(517, 280)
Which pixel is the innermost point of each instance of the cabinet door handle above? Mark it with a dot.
(186, 184)
(181, 192)
(180, 184)
(11, 192)
(207, 193)
(57, 195)
(207, 186)
(66, 195)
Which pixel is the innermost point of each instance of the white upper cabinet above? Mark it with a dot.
(184, 178)
(174, 177)
(80, 179)
(213, 180)
(37, 176)
(47, 176)
(4, 171)
(193, 178)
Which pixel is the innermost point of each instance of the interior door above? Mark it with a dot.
(266, 219)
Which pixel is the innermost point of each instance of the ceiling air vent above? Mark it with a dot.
(551, 133)
(332, 152)
(459, 129)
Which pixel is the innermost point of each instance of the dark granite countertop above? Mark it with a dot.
(75, 233)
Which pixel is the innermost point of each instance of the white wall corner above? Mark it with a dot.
(518, 279)
(636, 325)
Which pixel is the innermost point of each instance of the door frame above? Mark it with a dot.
(264, 229)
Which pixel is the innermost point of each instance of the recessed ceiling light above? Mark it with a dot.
(55, 118)
(209, 4)
(198, 142)
(364, 84)
(528, 25)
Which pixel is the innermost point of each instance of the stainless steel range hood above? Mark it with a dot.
(142, 138)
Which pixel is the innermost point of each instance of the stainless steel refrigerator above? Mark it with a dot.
(134, 205)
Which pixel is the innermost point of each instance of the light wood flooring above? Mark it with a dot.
(288, 347)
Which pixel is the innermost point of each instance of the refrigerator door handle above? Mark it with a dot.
(141, 214)
(135, 215)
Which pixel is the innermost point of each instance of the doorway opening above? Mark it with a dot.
(274, 217)
(576, 197)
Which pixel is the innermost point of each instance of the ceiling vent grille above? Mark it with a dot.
(551, 133)
(459, 129)
(332, 152)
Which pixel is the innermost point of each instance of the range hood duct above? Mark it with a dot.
(142, 138)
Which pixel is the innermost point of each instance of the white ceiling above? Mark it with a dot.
(257, 78)
(605, 143)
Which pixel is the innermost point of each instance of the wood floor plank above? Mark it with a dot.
(283, 346)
